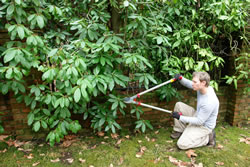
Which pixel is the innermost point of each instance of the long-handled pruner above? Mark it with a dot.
(134, 101)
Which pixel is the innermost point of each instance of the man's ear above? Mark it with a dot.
(203, 83)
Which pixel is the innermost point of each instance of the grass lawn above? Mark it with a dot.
(154, 148)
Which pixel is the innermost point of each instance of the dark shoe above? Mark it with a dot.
(212, 139)
(175, 135)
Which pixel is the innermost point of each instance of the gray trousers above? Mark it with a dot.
(192, 135)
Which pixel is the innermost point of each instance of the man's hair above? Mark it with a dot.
(203, 76)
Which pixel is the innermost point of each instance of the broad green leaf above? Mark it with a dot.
(85, 94)
(21, 87)
(52, 52)
(77, 95)
(46, 112)
(113, 128)
(52, 138)
(91, 35)
(85, 115)
(111, 85)
(159, 40)
(223, 17)
(1, 129)
(40, 21)
(18, 2)
(61, 101)
(114, 106)
(169, 28)
(139, 124)
(97, 70)
(143, 128)
(9, 56)
(101, 122)
(10, 9)
(177, 11)
(44, 124)
(11, 28)
(46, 75)
(149, 125)
(235, 83)
(36, 126)
(30, 118)
(117, 125)
(176, 44)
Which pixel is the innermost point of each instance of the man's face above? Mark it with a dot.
(197, 84)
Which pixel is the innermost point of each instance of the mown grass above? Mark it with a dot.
(103, 152)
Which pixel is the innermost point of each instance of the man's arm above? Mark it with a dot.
(187, 83)
(202, 116)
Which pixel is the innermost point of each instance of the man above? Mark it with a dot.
(196, 128)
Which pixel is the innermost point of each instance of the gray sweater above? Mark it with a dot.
(207, 107)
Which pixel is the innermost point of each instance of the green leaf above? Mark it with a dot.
(91, 35)
(77, 95)
(149, 125)
(176, 44)
(97, 70)
(102, 60)
(46, 112)
(139, 124)
(52, 138)
(117, 125)
(1, 129)
(114, 105)
(113, 129)
(10, 9)
(54, 123)
(18, 2)
(177, 11)
(44, 124)
(20, 32)
(235, 83)
(52, 52)
(223, 17)
(169, 28)
(11, 28)
(36, 126)
(111, 85)
(159, 40)
(46, 75)
(86, 114)
(33, 104)
(9, 56)
(85, 94)
(30, 118)
(21, 87)
(61, 101)
(101, 122)
(40, 21)
(143, 128)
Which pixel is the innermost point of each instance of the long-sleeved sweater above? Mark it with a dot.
(207, 107)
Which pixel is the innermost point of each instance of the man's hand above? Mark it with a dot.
(178, 76)
(176, 115)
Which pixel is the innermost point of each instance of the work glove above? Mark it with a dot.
(178, 76)
(176, 115)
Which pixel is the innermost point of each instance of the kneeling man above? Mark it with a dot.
(195, 128)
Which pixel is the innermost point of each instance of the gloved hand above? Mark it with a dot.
(176, 115)
(178, 76)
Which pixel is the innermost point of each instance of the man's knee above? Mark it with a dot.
(183, 145)
(178, 105)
